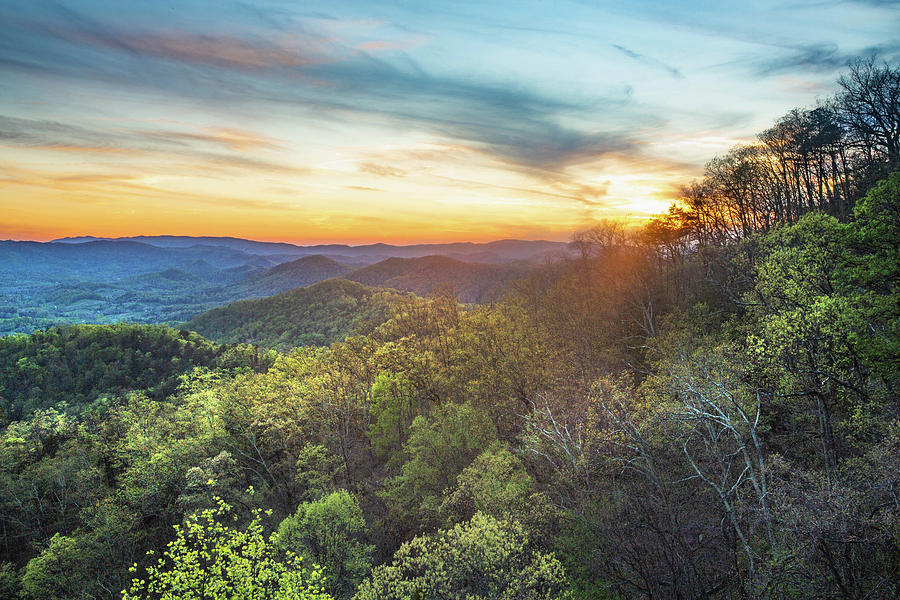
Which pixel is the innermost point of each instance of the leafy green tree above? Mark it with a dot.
(209, 559)
(218, 476)
(876, 269)
(154, 446)
(59, 572)
(807, 327)
(49, 473)
(497, 484)
(317, 470)
(329, 532)
(89, 563)
(482, 558)
(438, 448)
(394, 407)
(9, 581)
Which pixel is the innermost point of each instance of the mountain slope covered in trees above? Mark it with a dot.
(287, 276)
(471, 282)
(316, 315)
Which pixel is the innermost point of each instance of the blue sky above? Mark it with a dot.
(396, 121)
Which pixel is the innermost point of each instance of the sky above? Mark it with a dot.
(401, 122)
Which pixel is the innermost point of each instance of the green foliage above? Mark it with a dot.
(876, 266)
(329, 532)
(497, 484)
(317, 470)
(216, 477)
(158, 445)
(49, 471)
(438, 448)
(394, 406)
(79, 363)
(314, 316)
(59, 571)
(482, 558)
(823, 324)
(209, 559)
(9, 581)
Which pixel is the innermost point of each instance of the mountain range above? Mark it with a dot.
(171, 279)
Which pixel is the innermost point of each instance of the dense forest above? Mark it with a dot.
(317, 315)
(706, 407)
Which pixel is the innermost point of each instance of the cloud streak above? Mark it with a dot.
(819, 57)
(202, 147)
(649, 61)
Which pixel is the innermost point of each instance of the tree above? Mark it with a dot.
(64, 566)
(208, 559)
(876, 268)
(482, 558)
(869, 107)
(438, 448)
(329, 532)
(394, 406)
(497, 484)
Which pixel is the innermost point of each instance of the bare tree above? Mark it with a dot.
(869, 107)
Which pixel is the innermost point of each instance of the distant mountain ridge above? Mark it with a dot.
(496, 251)
(302, 272)
(169, 279)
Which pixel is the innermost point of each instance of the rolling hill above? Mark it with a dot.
(496, 251)
(472, 282)
(316, 315)
(169, 279)
(287, 276)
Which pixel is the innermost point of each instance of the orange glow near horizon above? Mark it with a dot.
(399, 194)
(324, 122)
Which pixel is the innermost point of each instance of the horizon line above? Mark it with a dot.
(89, 238)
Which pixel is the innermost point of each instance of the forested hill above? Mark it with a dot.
(316, 315)
(331, 310)
(78, 364)
(471, 282)
(287, 276)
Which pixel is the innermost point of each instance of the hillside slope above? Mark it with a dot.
(287, 276)
(78, 363)
(472, 282)
(316, 315)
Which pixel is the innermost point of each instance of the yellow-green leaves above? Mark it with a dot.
(209, 559)
(477, 560)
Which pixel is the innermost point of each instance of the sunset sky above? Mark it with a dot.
(400, 122)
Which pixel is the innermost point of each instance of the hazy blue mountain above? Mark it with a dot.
(286, 276)
(498, 251)
(169, 279)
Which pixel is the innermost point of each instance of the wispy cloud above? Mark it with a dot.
(235, 139)
(202, 146)
(571, 109)
(818, 57)
(97, 188)
(648, 60)
(516, 124)
(381, 170)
